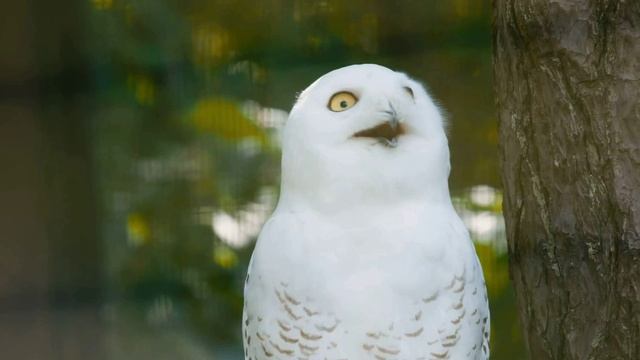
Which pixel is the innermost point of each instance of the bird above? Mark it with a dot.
(364, 256)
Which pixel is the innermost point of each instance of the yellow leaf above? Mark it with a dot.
(224, 257)
(138, 229)
(223, 118)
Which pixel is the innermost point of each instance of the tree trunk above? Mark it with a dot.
(567, 77)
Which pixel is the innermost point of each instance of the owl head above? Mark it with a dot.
(364, 135)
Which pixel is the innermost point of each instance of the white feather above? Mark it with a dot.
(364, 256)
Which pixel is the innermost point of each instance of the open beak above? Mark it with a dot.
(387, 132)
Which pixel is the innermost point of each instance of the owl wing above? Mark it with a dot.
(463, 329)
(287, 326)
(280, 322)
(450, 321)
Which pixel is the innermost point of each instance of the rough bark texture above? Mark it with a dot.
(567, 76)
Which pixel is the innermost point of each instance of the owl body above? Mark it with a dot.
(364, 256)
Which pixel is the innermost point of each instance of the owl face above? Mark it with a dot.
(362, 130)
(365, 105)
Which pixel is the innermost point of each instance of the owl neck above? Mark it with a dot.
(311, 181)
(333, 199)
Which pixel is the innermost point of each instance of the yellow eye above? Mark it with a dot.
(342, 101)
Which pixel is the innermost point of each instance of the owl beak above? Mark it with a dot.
(388, 131)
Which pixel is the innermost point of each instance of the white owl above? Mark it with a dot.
(365, 256)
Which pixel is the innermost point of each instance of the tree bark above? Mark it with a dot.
(567, 78)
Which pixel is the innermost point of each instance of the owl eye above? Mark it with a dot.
(342, 101)
(409, 91)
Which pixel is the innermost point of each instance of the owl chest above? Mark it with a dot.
(364, 257)
(364, 268)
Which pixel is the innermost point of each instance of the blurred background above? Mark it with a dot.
(140, 156)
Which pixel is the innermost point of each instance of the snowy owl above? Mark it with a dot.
(365, 256)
